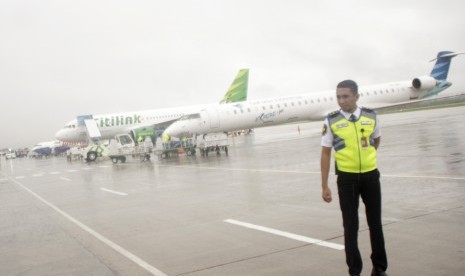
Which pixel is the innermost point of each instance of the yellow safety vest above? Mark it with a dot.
(353, 145)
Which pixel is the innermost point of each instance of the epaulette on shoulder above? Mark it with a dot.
(333, 114)
(368, 110)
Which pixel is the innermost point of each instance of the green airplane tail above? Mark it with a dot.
(237, 92)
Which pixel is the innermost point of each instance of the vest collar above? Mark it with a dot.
(356, 113)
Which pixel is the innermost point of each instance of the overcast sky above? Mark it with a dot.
(60, 59)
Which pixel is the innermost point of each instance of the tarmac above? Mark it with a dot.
(257, 211)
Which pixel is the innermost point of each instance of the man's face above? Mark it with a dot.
(346, 99)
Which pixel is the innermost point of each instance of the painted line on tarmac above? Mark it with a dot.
(113, 192)
(71, 170)
(152, 270)
(286, 234)
(64, 178)
(52, 173)
(20, 177)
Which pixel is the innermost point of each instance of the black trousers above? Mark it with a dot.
(352, 186)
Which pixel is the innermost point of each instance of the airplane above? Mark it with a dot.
(48, 148)
(147, 122)
(310, 106)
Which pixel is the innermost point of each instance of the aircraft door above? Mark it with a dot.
(213, 117)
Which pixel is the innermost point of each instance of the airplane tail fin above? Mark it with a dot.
(440, 72)
(441, 68)
(237, 92)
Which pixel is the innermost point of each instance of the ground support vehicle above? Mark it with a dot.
(92, 152)
(174, 148)
(123, 146)
(139, 152)
(10, 155)
(119, 149)
(75, 153)
(213, 142)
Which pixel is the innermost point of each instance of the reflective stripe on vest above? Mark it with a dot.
(350, 156)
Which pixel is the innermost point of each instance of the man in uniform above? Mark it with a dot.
(354, 134)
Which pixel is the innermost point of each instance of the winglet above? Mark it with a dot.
(237, 92)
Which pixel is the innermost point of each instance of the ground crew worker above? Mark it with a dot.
(166, 139)
(355, 135)
(68, 155)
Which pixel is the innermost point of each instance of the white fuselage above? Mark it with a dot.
(274, 111)
(117, 123)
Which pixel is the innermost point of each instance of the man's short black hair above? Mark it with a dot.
(352, 85)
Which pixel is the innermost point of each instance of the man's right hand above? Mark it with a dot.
(327, 194)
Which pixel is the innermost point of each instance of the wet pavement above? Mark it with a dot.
(257, 211)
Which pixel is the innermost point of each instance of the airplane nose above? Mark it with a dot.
(64, 135)
(174, 130)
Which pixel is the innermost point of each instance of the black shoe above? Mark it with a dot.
(378, 272)
(354, 274)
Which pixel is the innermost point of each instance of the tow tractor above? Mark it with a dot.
(94, 151)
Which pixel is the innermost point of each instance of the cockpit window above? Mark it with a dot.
(71, 124)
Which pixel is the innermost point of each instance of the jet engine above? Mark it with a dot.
(425, 82)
